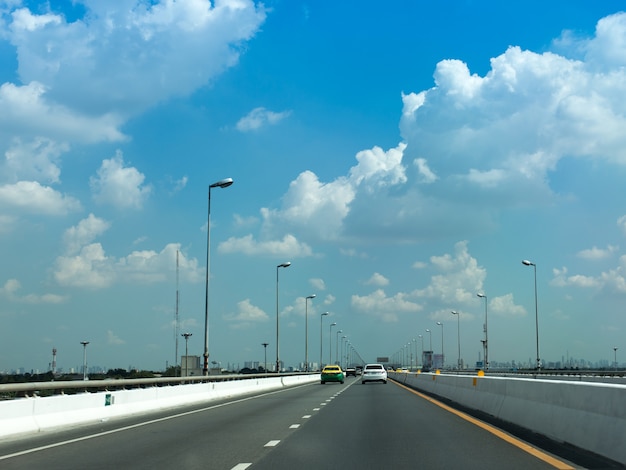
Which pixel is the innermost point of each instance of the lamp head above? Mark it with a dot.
(225, 183)
(481, 295)
(285, 265)
(312, 296)
(527, 263)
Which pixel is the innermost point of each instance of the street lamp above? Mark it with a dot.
(186, 336)
(615, 356)
(265, 351)
(341, 351)
(219, 184)
(458, 334)
(528, 263)
(306, 331)
(337, 345)
(321, 342)
(420, 337)
(442, 355)
(330, 342)
(282, 265)
(430, 335)
(486, 341)
(84, 343)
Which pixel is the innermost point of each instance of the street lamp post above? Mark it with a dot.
(321, 342)
(615, 348)
(421, 338)
(337, 346)
(458, 334)
(219, 184)
(330, 342)
(186, 336)
(265, 351)
(442, 353)
(84, 343)
(430, 336)
(528, 263)
(282, 265)
(306, 331)
(486, 340)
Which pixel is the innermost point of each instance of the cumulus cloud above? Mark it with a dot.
(85, 263)
(596, 253)
(246, 315)
(32, 197)
(387, 309)
(288, 246)
(169, 48)
(119, 186)
(317, 283)
(459, 279)
(84, 233)
(260, 117)
(12, 286)
(112, 338)
(377, 279)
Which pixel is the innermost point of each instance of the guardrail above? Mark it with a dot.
(94, 401)
(26, 389)
(589, 415)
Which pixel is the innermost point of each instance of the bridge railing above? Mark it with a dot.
(67, 387)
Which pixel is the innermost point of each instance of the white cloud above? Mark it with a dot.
(317, 283)
(118, 185)
(112, 338)
(87, 265)
(28, 112)
(596, 253)
(385, 308)
(84, 233)
(505, 306)
(289, 246)
(12, 286)
(377, 279)
(319, 209)
(32, 197)
(621, 223)
(169, 48)
(246, 315)
(460, 277)
(260, 117)
(36, 159)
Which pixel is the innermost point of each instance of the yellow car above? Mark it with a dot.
(332, 373)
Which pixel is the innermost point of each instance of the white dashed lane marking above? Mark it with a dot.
(272, 443)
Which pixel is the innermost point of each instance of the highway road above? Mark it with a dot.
(331, 426)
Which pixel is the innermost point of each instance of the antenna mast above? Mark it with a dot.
(176, 320)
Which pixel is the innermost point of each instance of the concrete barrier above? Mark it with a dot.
(34, 414)
(588, 415)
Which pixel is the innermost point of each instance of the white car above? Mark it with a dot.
(374, 373)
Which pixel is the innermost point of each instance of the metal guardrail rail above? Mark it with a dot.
(28, 389)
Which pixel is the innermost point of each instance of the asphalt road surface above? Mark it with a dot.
(331, 426)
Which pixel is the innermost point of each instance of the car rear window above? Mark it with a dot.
(373, 367)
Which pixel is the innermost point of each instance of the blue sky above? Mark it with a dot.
(403, 156)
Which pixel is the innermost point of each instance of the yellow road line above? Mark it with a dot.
(556, 463)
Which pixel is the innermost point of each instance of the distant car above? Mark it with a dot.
(359, 370)
(332, 374)
(374, 373)
(351, 371)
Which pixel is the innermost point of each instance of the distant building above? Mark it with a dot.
(190, 366)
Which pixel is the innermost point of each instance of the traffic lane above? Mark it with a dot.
(220, 435)
(379, 426)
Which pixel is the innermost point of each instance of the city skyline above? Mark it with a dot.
(402, 158)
